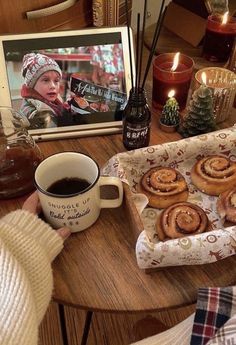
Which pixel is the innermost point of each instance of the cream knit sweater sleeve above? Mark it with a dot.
(27, 248)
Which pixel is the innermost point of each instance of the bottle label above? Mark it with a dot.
(136, 133)
(136, 137)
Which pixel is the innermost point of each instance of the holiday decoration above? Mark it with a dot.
(222, 83)
(170, 112)
(199, 118)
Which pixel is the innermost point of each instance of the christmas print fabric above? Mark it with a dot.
(207, 247)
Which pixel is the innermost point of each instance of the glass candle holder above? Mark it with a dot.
(222, 82)
(232, 59)
(219, 38)
(165, 80)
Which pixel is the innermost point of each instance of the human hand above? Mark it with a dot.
(32, 205)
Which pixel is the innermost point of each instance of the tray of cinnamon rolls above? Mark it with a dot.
(187, 193)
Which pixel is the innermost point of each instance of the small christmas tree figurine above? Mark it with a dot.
(199, 118)
(170, 113)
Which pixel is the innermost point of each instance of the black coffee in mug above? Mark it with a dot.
(68, 185)
(77, 203)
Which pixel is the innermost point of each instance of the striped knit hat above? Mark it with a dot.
(34, 65)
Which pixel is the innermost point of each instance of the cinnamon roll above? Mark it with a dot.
(226, 205)
(214, 174)
(163, 186)
(181, 219)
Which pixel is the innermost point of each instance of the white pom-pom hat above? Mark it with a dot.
(34, 65)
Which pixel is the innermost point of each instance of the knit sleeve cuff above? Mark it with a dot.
(33, 226)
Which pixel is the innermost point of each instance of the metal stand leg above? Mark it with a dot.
(86, 327)
(63, 324)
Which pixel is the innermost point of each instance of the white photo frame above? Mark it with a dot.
(74, 52)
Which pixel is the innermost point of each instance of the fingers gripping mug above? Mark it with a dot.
(69, 186)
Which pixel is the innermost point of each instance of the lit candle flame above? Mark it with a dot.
(176, 61)
(204, 78)
(225, 17)
(171, 93)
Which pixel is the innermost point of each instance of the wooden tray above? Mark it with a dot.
(191, 250)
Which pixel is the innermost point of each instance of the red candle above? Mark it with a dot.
(166, 77)
(219, 37)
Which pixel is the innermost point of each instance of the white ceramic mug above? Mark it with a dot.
(80, 210)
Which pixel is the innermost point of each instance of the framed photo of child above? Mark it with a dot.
(71, 83)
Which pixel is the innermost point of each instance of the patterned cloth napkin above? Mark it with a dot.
(181, 155)
(215, 317)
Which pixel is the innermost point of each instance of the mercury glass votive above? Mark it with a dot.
(232, 59)
(222, 82)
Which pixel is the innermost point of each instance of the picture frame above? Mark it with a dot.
(110, 12)
(83, 55)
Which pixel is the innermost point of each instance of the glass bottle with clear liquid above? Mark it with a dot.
(136, 120)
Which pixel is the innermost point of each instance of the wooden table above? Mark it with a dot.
(97, 269)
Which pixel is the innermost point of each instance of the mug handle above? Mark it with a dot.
(111, 181)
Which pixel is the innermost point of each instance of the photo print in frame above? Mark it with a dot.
(68, 83)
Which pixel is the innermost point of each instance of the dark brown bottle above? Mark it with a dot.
(136, 120)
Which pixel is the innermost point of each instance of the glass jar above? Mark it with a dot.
(136, 120)
(19, 155)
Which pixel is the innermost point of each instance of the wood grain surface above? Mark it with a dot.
(97, 270)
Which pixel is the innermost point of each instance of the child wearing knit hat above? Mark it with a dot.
(41, 104)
